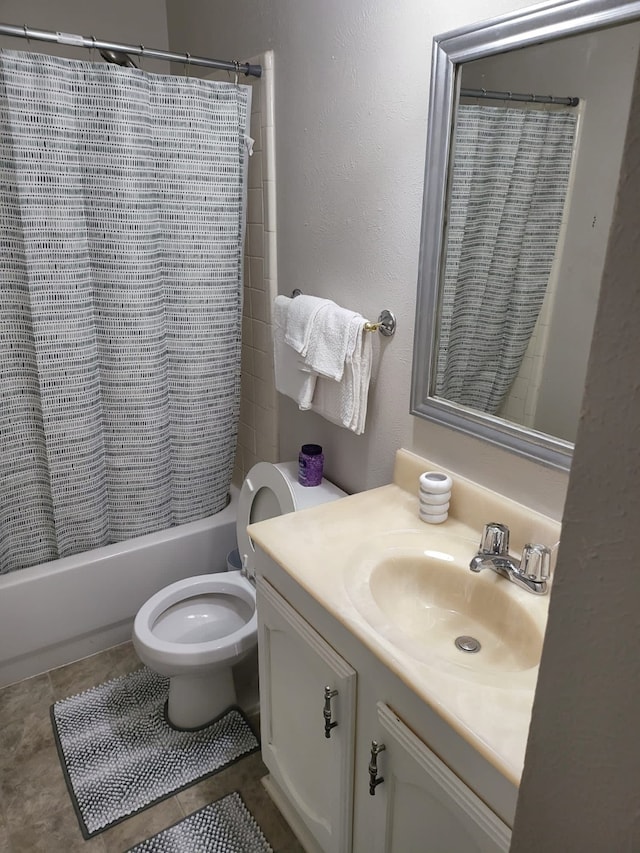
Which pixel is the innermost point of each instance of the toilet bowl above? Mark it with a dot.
(195, 630)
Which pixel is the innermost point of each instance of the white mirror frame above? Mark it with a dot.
(530, 26)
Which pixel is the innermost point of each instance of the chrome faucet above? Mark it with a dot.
(531, 573)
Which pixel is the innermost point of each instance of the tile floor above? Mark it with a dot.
(35, 809)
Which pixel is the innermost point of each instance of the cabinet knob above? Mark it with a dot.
(328, 722)
(374, 779)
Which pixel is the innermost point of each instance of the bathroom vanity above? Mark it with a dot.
(378, 732)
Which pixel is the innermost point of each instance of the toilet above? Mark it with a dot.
(195, 630)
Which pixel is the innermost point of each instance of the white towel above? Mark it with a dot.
(290, 379)
(330, 346)
(318, 329)
(328, 340)
(334, 343)
(299, 321)
(345, 403)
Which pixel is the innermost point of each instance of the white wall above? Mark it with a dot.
(138, 22)
(351, 84)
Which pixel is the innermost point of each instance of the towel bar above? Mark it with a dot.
(386, 323)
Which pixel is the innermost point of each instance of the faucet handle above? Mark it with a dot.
(536, 562)
(495, 539)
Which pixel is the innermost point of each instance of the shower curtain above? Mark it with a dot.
(506, 200)
(122, 199)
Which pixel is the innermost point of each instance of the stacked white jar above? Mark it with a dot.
(434, 494)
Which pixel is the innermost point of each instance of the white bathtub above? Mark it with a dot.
(58, 612)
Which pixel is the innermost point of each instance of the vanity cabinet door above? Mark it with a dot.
(421, 806)
(315, 772)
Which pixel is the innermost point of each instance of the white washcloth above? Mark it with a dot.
(308, 389)
(300, 317)
(329, 331)
(345, 403)
(290, 379)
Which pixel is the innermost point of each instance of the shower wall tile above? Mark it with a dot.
(245, 269)
(249, 385)
(263, 366)
(254, 126)
(270, 253)
(265, 444)
(256, 243)
(259, 308)
(246, 362)
(257, 134)
(268, 114)
(263, 394)
(261, 335)
(247, 437)
(268, 152)
(254, 206)
(255, 174)
(269, 205)
(257, 266)
(258, 426)
(256, 98)
(248, 413)
(246, 329)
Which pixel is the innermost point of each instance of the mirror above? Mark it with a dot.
(502, 337)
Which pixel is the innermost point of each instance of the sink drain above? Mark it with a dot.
(468, 644)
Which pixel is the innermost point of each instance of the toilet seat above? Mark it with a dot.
(167, 654)
(270, 490)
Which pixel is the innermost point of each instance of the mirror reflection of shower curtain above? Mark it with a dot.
(122, 199)
(506, 200)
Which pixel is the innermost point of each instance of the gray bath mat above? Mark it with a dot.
(226, 826)
(120, 755)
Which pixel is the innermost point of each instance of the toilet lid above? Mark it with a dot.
(266, 493)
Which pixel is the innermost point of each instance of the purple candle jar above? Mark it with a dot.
(310, 464)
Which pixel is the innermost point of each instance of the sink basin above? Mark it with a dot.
(421, 599)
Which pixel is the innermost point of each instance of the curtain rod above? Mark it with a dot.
(90, 42)
(514, 96)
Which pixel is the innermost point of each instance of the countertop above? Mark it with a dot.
(320, 547)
